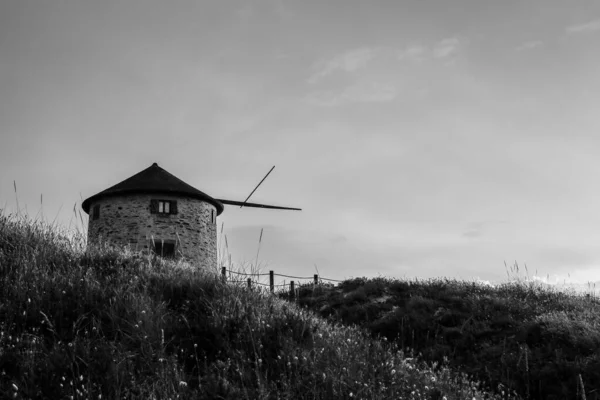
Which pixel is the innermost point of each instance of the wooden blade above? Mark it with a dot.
(240, 203)
(259, 183)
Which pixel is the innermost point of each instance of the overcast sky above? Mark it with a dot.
(421, 138)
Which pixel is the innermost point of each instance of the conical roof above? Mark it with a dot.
(153, 179)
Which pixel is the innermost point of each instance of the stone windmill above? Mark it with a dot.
(155, 211)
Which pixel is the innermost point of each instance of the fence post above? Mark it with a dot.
(316, 279)
(292, 291)
(272, 281)
(224, 273)
(249, 283)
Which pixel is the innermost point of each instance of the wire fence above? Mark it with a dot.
(315, 280)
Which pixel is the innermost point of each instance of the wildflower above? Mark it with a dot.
(182, 384)
(393, 371)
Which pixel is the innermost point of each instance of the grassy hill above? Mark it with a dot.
(524, 337)
(109, 324)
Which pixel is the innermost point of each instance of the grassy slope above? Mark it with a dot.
(110, 324)
(541, 343)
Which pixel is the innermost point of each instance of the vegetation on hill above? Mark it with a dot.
(520, 336)
(108, 324)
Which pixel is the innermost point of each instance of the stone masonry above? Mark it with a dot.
(127, 220)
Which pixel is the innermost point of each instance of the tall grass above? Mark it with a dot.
(109, 323)
(520, 336)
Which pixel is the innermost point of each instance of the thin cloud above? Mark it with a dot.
(349, 61)
(414, 52)
(530, 45)
(372, 92)
(358, 63)
(358, 59)
(587, 27)
(473, 234)
(478, 229)
(446, 47)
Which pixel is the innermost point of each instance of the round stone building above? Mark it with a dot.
(155, 211)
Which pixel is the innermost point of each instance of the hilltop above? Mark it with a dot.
(519, 336)
(106, 323)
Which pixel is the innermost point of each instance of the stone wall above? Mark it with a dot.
(126, 220)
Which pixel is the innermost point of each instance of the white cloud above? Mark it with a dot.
(359, 59)
(362, 92)
(366, 65)
(446, 47)
(349, 61)
(587, 27)
(415, 52)
(532, 44)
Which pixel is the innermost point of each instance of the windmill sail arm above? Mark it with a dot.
(241, 203)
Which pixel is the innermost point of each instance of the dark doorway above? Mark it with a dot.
(164, 248)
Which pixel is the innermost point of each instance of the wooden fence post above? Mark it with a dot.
(224, 273)
(316, 279)
(272, 281)
(249, 283)
(292, 291)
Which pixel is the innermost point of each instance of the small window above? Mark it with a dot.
(165, 249)
(212, 216)
(164, 207)
(96, 212)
